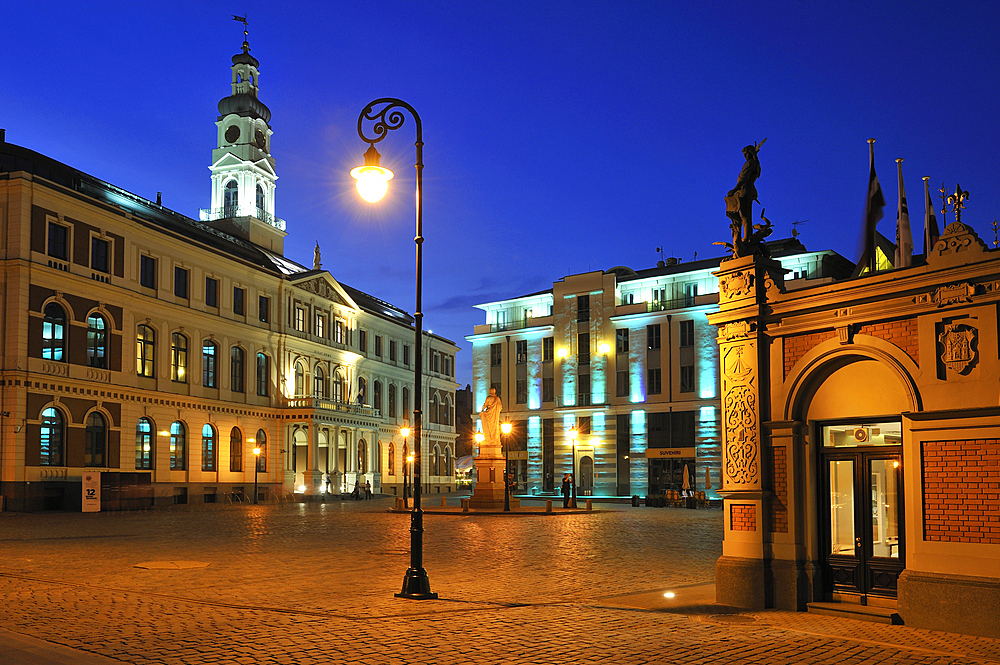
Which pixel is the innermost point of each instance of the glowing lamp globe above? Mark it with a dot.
(405, 431)
(505, 428)
(480, 437)
(372, 179)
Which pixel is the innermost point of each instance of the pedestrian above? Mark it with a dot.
(368, 490)
(566, 488)
(356, 494)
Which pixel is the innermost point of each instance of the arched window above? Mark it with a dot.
(54, 333)
(319, 383)
(300, 380)
(236, 450)
(209, 366)
(337, 387)
(144, 444)
(406, 402)
(52, 437)
(260, 200)
(362, 389)
(392, 459)
(236, 369)
(178, 444)
(433, 415)
(96, 440)
(449, 463)
(261, 443)
(378, 458)
(263, 374)
(231, 201)
(377, 400)
(362, 456)
(208, 448)
(436, 464)
(97, 341)
(178, 357)
(446, 411)
(392, 400)
(145, 351)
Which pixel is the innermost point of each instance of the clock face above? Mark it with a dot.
(259, 139)
(232, 134)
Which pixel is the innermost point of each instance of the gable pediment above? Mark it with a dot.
(326, 287)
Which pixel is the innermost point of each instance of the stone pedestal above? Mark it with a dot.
(488, 494)
(313, 480)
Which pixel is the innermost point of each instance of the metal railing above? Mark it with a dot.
(229, 212)
(331, 405)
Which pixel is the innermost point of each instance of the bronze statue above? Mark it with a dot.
(747, 237)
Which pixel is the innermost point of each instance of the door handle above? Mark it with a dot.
(857, 542)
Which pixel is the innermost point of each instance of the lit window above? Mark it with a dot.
(54, 333)
(97, 342)
(52, 437)
(209, 359)
(144, 444)
(145, 344)
(208, 448)
(178, 443)
(178, 358)
(236, 450)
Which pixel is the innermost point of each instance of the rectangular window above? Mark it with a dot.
(436, 358)
(100, 255)
(263, 309)
(522, 391)
(690, 293)
(548, 346)
(687, 332)
(496, 355)
(583, 390)
(180, 282)
(178, 358)
(497, 387)
(392, 350)
(621, 340)
(406, 355)
(236, 369)
(58, 241)
(653, 337)
(687, 379)
(211, 292)
(147, 271)
(548, 389)
(621, 383)
(320, 325)
(378, 346)
(521, 348)
(300, 319)
(208, 365)
(239, 300)
(263, 374)
(363, 341)
(583, 308)
(583, 348)
(338, 331)
(653, 386)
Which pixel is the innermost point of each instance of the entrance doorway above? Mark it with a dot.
(862, 505)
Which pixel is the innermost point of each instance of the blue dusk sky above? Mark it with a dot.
(561, 137)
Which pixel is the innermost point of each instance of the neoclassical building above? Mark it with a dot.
(628, 360)
(160, 350)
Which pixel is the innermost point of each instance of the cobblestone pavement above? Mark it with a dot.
(315, 584)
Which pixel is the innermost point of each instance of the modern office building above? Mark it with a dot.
(626, 359)
(159, 351)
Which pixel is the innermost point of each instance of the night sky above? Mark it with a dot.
(561, 137)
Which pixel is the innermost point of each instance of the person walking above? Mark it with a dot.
(368, 490)
(566, 489)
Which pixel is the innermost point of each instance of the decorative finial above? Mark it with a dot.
(995, 226)
(246, 26)
(943, 193)
(956, 202)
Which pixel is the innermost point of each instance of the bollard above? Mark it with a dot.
(589, 505)
(465, 505)
(399, 503)
(444, 501)
(548, 506)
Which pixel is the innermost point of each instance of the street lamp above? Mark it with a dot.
(387, 114)
(256, 468)
(405, 431)
(572, 435)
(505, 428)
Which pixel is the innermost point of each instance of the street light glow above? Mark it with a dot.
(256, 451)
(573, 434)
(505, 427)
(480, 437)
(405, 431)
(372, 182)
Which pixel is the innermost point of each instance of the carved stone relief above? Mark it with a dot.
(740, 417)
(736, 285)
(959, 342)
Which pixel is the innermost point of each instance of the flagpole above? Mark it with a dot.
(872, 255)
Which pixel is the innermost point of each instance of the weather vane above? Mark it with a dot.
(957, 201)
(943, 193)
(995, 226)
(246, 27)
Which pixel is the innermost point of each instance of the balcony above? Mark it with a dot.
(229, 212)
(330, 405)
(521, 324)
(583, 400)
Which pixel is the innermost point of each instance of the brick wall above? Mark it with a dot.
(797, 346)
(962, 491)
(743, 517)
(779, 501)
(902, 333)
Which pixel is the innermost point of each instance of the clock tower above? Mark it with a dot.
(243, 174)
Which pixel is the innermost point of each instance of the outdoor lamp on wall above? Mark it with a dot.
(604, 348)
(562, 353)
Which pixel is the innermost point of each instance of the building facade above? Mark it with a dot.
(160, 351)
(862, 439)
(627, 360)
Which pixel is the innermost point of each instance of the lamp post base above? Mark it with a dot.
(416, 585)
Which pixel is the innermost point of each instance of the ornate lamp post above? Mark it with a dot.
(387, 114)
(505, 428)
(405, 431)
(256, 468)
(572, 502)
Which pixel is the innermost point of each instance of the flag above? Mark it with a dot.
(931, 233)
(904, 238)
(873, 212)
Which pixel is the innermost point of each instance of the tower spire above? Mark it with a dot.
(246, 31)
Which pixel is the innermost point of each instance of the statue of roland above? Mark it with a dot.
(490, 415)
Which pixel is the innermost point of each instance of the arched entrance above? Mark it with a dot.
(586, 475)
(852, 403)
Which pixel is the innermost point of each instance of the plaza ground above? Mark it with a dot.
(314, 583)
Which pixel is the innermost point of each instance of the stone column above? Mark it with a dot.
(333, 448)
(312, 477)
(742, 573)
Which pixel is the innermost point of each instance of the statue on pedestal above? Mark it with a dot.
(748, 238)
(490, 415)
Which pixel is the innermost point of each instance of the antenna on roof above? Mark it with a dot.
(795, 231)
(661, 262)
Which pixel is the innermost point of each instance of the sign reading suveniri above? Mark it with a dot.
(669, 453)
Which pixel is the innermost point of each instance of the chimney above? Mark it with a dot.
(159, 198)
(3, 135)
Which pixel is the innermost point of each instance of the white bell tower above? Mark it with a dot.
(243, 175)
